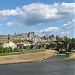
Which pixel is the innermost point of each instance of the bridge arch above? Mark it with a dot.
(70, 47)
(61, 46)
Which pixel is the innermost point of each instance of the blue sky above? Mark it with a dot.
(41, 16)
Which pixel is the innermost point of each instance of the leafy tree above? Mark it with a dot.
(17, 41)
(67, 40)
(57, 37)
(1, 49)
(73, 41)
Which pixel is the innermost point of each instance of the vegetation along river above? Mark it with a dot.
(50, 66)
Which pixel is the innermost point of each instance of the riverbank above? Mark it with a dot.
(27, 57)
(71, 56)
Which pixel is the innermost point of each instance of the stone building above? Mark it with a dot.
(23, 36)
(3, 37)
(10, 44)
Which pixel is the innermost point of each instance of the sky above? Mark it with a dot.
(39, 16)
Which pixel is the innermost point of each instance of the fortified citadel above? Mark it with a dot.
(32, 41)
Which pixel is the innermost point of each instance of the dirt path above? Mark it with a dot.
(72, 56)
(27, 57)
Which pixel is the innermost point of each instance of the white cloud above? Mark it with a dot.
(50, 29)
(4, 14)
(38, 13)
(67, 28)
(8, 24)
(64, 32)
(70, 25)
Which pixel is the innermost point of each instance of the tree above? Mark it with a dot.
(67, 40)
(52, 35)
(1, 43)
(17, 41)
(73, 41)
(57, 37)
(1, 49)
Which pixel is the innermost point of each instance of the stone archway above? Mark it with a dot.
(70, 47)
(60, 46)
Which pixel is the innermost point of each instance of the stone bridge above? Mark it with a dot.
(67, 47)
(59, 47)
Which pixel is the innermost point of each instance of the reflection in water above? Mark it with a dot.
(51, 66)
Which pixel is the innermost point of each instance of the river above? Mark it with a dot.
(50, 66)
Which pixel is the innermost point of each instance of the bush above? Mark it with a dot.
(5, 50)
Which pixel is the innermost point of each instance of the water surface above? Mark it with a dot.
(51, 66)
